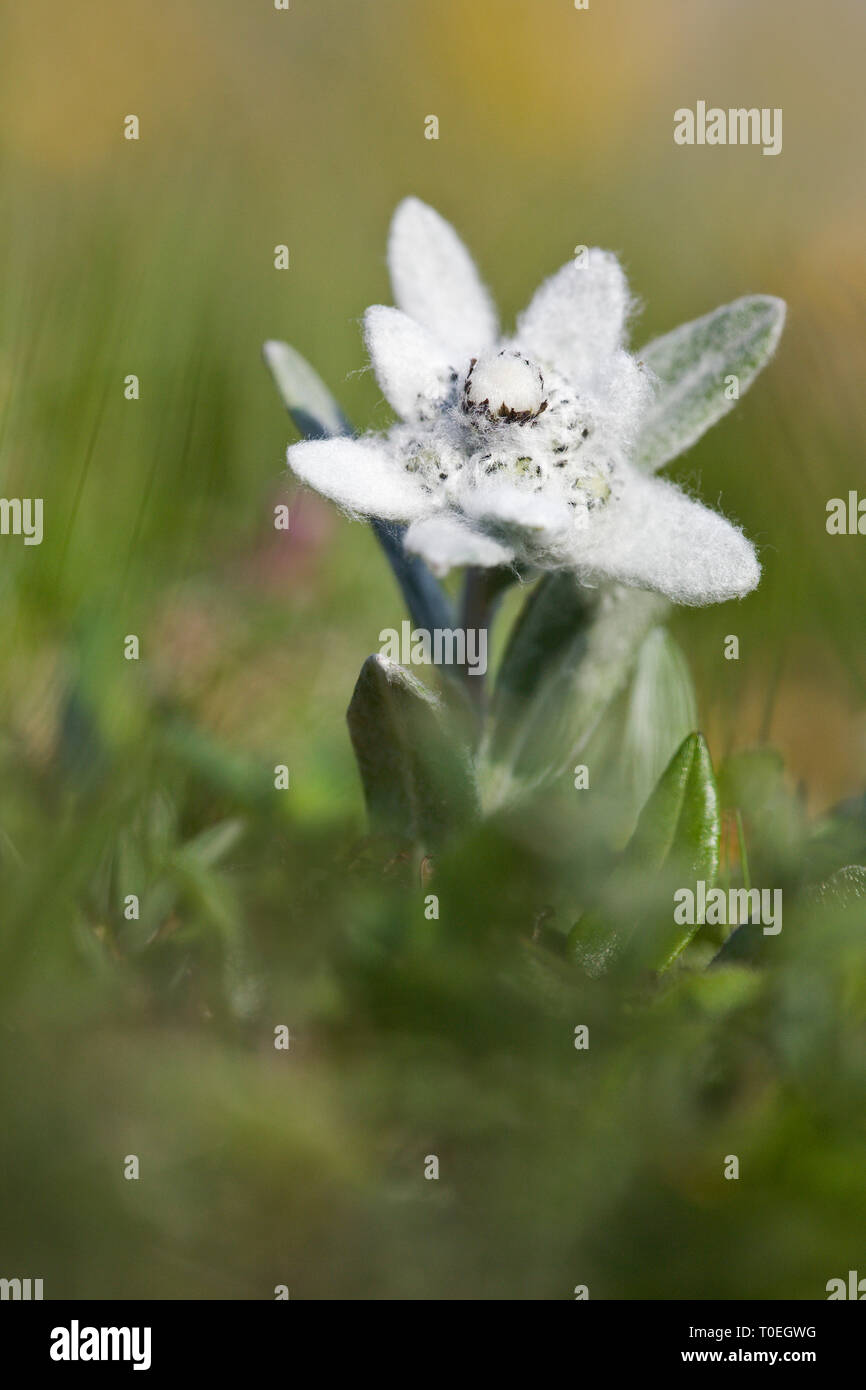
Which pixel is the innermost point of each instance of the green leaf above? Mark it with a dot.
(553, 622)
(418, 782)
(681, 819)
(569, 655)
(692, 364)
(676, 841)
(213, 844)
(661, 711)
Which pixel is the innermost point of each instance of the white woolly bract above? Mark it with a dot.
(519, 450)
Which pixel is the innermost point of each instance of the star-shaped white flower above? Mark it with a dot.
(523, 450)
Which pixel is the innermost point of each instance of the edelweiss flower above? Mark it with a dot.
(519, 450)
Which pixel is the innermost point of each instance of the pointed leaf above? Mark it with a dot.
(692, 364)
(681, 818)
(304, 394)
(569, 655)
(316, 415)
(418, 782)
(553, 621)
(213, 844)
(661, 712)
(677, 838)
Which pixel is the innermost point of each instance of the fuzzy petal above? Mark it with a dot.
(577, 318)
(444, 542)
(361, 476)
(513, 513)
(435, 281)
(625, 393)
(654, 537)
(411, 367)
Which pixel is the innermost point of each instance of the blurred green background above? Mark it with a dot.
(155, 257)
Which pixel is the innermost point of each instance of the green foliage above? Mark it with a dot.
(661, 710)
(568, 657)
(681, 818)
(418, 784)
(675, 842)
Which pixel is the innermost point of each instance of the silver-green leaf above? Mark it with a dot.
(693, 366)
(661, 711)
(570, 655)
(306, 397)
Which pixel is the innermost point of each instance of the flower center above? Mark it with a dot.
(504, 385)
